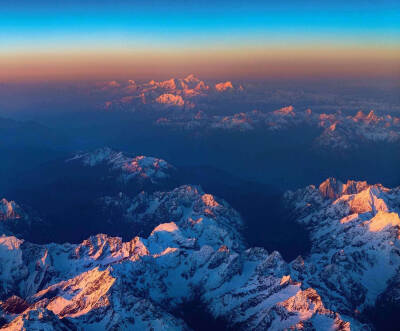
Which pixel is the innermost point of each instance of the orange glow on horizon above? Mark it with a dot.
(218, 63)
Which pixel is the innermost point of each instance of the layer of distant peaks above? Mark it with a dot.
(130, 167)
(175, 92)
(337, 131)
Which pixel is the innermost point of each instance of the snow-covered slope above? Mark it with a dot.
(200, 215)
(128, 168)
(104, 283)
(195, 252)
(354, 229)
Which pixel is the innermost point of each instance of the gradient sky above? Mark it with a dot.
(46, 40)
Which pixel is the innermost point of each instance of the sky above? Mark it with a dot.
(69, 40)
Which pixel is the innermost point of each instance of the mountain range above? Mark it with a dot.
(187, 249)
(335, 132)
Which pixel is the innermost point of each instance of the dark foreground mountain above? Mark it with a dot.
(196, 253)
(105, 283)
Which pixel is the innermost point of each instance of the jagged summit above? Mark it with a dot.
(191, 78)
(285, 111)
(200, 215)
(182, 93)
(104, 283)
(333, 188)
(194, 247)
(18, 220)
(370, 117)
(176, 84)
(9, 210)
(354, 230)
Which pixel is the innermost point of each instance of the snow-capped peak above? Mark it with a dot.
(354, 229)
(191, 78)
(224, 86)
(145, 167)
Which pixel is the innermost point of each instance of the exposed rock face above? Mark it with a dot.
(15, 220)
(333, 189)
(14, 305)
(9, 210)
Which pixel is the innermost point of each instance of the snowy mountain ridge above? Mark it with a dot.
(354, 230)
(337, 131)
(195, 251)
(144, 167)
(105, 283)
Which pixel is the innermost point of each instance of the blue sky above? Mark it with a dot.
(73, 23)
(31, 28)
